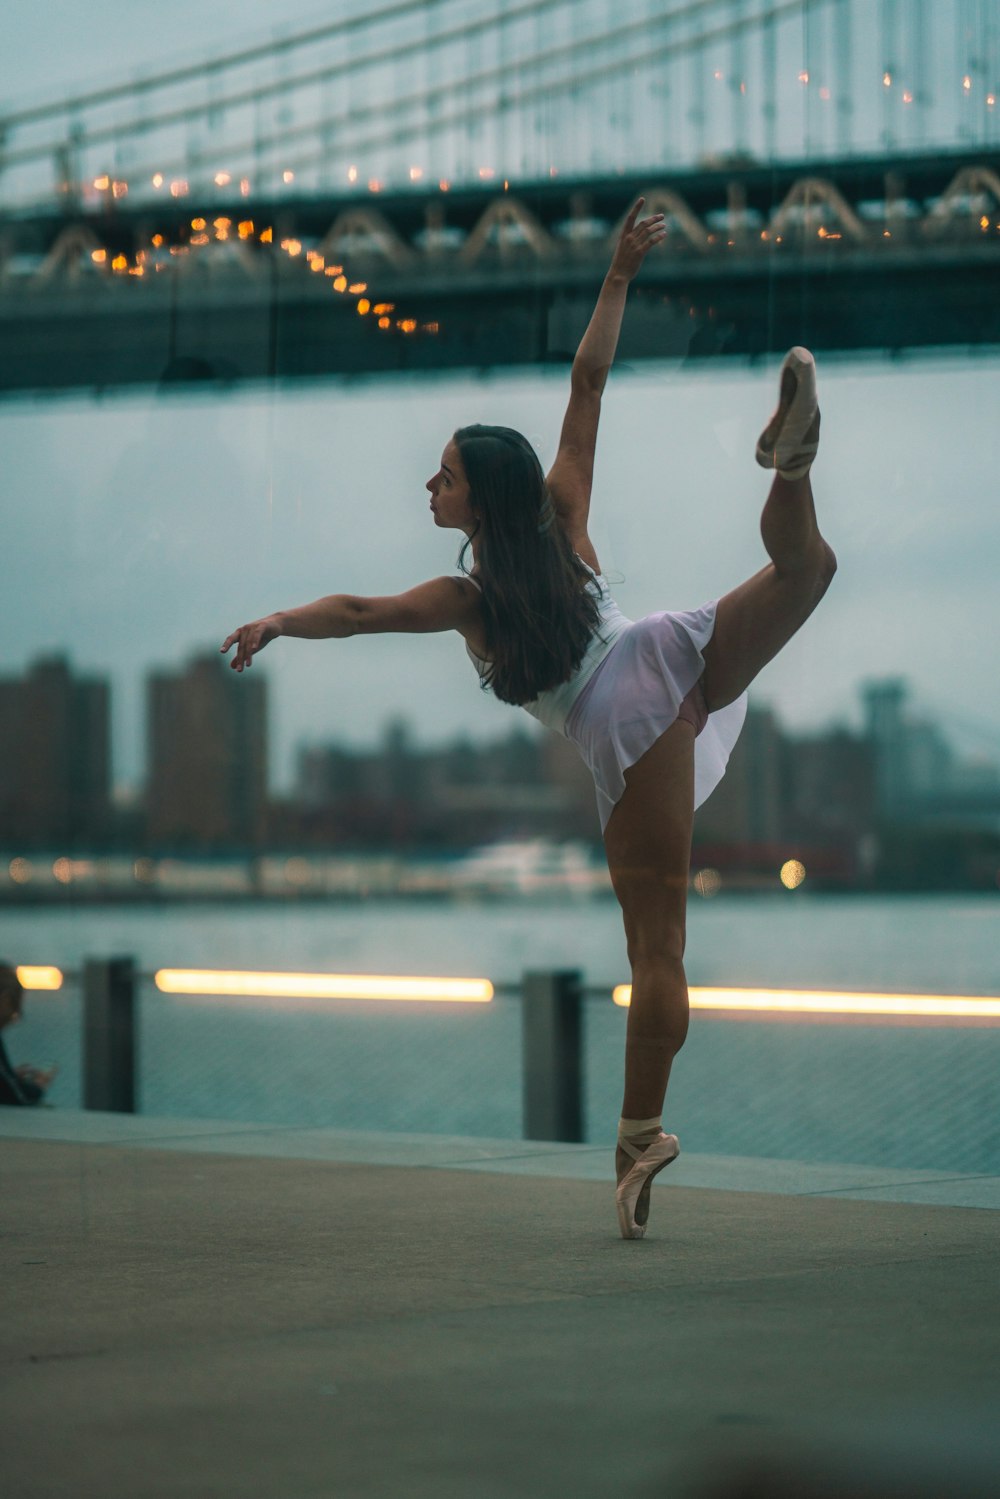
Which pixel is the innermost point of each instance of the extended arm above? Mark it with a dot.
(572, 474)
(442, 604)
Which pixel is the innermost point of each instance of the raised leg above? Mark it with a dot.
(759, 617)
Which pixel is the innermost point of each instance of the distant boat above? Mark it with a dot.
(531, 867)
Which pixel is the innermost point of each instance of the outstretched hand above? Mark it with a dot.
(249, 639)
(636, 240)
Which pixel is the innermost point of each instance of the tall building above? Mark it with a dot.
(747, 805)
(54, 757)
(207, 756)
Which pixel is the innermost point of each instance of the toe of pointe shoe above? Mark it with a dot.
(790, 440)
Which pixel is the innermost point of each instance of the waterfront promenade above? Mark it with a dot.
(198, 1308)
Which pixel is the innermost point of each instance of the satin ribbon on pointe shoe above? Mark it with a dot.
(632, 1192)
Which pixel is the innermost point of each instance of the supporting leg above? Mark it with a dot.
(648, 844)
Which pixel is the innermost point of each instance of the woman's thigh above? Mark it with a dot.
(648, 842)
(752, 624)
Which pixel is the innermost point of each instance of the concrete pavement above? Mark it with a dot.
(206, 1309)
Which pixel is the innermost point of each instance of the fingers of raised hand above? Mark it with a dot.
(633, 214)
(653, 227)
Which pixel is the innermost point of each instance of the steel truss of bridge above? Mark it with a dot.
(862, 254)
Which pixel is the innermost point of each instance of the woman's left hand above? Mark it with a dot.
(636, 240)
(249, 639)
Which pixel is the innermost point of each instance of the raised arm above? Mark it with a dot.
(571, 476)
(442, 604)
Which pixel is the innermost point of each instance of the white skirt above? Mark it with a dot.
(634, 696)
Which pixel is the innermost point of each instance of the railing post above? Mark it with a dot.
(551, 1030)
(109, 1033)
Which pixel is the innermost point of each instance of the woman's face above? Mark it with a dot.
(449, 492)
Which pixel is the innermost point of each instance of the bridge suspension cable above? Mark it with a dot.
(602, 72)
(362, 20)
(254, 94)
(348, 120)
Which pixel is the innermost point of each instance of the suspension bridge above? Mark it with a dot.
(438, 183)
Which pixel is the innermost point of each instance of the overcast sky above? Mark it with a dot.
(137, 530)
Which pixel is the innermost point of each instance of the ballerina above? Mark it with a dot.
(653, 705)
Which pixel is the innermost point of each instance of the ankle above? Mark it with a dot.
(640, 1131)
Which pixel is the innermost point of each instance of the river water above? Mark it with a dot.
(879, 1094)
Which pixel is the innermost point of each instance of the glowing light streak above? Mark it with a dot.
(357, 287)
(322, 986)
(352, 174)
(831, 1002)
(30, 977)
(364, 306)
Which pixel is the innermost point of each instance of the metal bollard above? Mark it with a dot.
(109, 1035)
(551, 1031)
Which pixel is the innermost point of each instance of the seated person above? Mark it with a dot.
(24, 1084)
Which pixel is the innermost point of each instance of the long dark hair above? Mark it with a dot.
(538, 614)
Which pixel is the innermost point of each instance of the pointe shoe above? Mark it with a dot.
(632, 1193)
(790, 440)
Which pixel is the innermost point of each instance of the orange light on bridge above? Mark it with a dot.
(99, 256)
(223, 179)
(364, 306)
